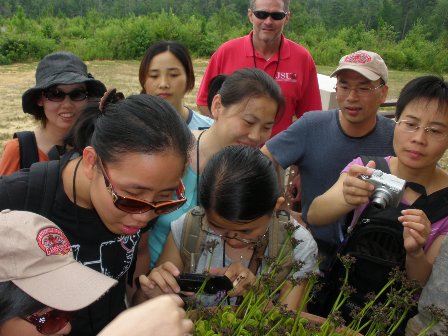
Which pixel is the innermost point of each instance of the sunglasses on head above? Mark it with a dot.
(57, 95)
(136, 205)
(263, 15)
(50, 322)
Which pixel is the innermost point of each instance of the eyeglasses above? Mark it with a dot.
(263, 15)
(412, 126)
(56, 95)
(136, 205)
(51, 321)
(205, 226)
(362, 91)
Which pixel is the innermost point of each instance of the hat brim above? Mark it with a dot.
(370, 75)
(71, 287)
(95, 88)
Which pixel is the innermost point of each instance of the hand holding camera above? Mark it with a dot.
(382, 189)
(388, 189)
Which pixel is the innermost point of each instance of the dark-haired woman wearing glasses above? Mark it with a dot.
(236, 223)
(126, 170)
(63, 88)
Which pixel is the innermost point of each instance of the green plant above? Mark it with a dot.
(260, 312)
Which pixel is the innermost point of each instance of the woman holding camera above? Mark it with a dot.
(420, 140)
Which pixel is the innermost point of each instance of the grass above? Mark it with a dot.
(123, 75)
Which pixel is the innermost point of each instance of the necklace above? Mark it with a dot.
(278, 59)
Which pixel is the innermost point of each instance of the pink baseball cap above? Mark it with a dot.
(366, 63)
(36, 256)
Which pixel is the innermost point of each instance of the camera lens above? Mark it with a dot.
(381, 198)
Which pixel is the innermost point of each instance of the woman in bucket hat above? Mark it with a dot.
(42, 285)
(63, 88)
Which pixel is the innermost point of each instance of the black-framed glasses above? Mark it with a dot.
(135, 205)
(263, 15)
(56, 95)
(50, 322)
(361, 91)
(205, 227)
(432, 131)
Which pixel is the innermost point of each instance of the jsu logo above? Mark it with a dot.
(286, 76)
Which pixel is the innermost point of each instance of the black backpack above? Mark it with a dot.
(376, 241)
(29, 152)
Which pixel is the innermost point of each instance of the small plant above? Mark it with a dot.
(260, 312)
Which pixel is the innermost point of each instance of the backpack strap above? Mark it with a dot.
(28, 148)
(435, 205)
(192, 240)
(380, 162)
(42, 184)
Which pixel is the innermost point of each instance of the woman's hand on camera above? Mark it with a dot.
(417, 228)
(355, 190)
(240, 276)
(161, 280)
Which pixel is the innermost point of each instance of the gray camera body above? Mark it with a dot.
(388, 189)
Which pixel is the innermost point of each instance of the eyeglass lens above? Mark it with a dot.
(263, 15)
(51, 321)
(360, 91)
(58, 95)
(207, 229)
(411, 126)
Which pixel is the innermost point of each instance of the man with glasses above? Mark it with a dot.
(289, 63)
(322, 143)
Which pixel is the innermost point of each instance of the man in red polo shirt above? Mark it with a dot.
(289, 63)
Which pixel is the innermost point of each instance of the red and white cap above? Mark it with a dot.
(366, 63)
(36, 256)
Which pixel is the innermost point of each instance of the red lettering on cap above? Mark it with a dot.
(53, 241)
(358, 58)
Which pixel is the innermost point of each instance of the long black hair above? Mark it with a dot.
(239, 183)
(137, 124)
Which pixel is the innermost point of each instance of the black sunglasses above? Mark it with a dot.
(263, 15)
(56, 95)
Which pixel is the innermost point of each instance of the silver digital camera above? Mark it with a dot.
(388, 189)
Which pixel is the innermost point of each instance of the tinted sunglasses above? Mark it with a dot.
(56, 95)
(51, 321)
(263, 15)
(135, 205)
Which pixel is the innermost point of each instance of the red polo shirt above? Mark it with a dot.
(296, 74)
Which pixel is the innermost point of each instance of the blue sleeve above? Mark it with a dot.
(288, 147)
